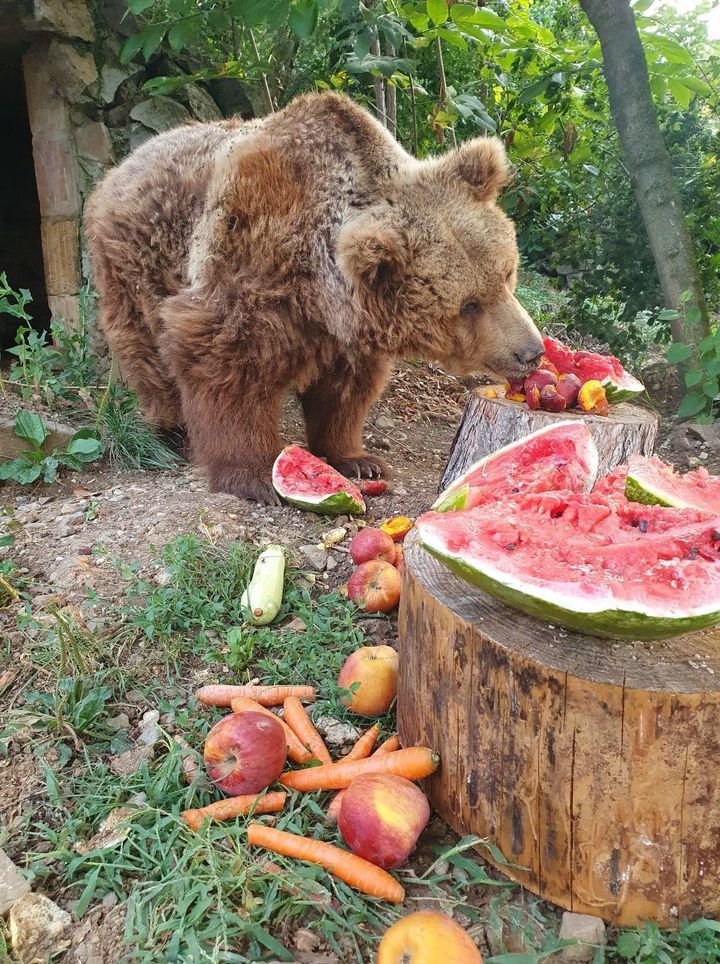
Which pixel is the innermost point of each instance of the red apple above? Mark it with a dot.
(426, 937)
(375, 668)
(375, 586)
(371, 544)
(245, 752)
(381, 818)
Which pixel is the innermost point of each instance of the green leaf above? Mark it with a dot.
(137, 6)
(453, 37)
(19, 470)
(254, 12)
(180, 34)
(691, 405)
(710, 388)
(709, 343)
(479, 18)
(7, 541)
(534, 90)
(692, 315)
(642, 5)
(679, 91)
(87, 895)
(29, 426)
(49, 467)
(303, 18)
(628, 944)
(696, 85)
(668, 314)
(678, 352)
(152, 38)
(693, 377)
(85, 446)
(686, 296)
(437, 11)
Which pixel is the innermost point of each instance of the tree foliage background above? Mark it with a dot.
(530, 71)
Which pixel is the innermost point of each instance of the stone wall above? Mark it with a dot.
(86, 111)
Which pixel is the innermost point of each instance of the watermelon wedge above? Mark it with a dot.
(651, 481)
(561, 456)
(619, 385)
(307, 482)
(630, 571)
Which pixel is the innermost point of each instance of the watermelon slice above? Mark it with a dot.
(307, 482)
(619, 385)
(651, 481)
(561, 456)
(630, 571)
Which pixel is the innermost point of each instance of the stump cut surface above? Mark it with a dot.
(592, 764)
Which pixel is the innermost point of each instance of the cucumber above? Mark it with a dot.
(263, 596)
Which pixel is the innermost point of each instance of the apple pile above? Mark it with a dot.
(378, 554)
(548, 389)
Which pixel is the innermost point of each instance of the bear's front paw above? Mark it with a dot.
(243, 483)
(363, 466)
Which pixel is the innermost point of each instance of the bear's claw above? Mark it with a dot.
(361, 467)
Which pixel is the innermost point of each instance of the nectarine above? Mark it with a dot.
(375, 668)
(381, 817)
(427, 937)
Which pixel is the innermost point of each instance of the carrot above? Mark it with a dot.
(392, 743)
(358, 873)
(235, 807)
(296, 751)
(301, 725)
(364, 745)
(414, 763)
(221, 694)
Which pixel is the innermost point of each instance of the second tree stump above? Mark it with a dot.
(490, 423)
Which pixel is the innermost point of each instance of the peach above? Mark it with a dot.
(375, 586)
(569, 387)
(375, 668)
(371, 544)
(397, 527)
(427, 937)
(592, 398)
(550, 400)
(533, 398)
(539, 379)
(245, 752)
(381, 817)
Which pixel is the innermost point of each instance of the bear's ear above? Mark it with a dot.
(482, 164)
(372, 254)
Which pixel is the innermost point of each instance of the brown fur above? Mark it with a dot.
(233, 261)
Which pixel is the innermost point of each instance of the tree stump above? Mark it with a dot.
(591, 764)
(488, 424)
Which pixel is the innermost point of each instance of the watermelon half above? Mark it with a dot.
(619, 385)
(651, 481)
(630, 571)
(307, 482)
(561, 456)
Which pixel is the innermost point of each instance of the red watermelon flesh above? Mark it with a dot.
(618, 383)
(629, 570)
(307, 482)
(651, 481)
(560, 456)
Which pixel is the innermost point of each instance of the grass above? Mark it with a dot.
(207, 896)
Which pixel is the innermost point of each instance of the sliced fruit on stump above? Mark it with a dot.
(307, 482)
(561, 456)
(619, 385)
(651, 481)
(626, 570)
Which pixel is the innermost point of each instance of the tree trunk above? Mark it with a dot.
(391, 96)
(380, 107)
(648, 161)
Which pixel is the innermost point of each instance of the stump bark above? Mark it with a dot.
(591, 764)
(488, 424)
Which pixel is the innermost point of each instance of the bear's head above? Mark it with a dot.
(433, 265)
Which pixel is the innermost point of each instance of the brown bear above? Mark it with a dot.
(234, 260)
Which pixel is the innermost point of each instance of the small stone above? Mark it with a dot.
(160, 114)
(111, 832)
(201, 104)
(315, 557)
(109, 901)
(13, 885)
(383, 423)
(150, 732)
(70, 18)
(38, 928)
(137, 800)
(332, 563)
(441, 867)
(305, 940)
(164, 577)
(334, 731)
(589, 931)
(129, 762)
(383, 443)
(296, 625)
(399, 490)
(119, 722)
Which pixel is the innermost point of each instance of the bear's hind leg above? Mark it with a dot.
(335, 408)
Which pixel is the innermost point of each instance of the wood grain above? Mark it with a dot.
(488, 424)
(591, 763)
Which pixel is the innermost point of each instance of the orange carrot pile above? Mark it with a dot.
(296, 751)
(364, 745)
(221, 694)
(414, 763)
(235, 807)
(389, 746)
(353, 870)
(301, 725)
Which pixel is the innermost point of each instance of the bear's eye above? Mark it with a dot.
(470, 308)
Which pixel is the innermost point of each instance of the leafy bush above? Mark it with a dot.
(84, 446)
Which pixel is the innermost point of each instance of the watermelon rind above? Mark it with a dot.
(623, 390)
(340, 503)
(610, 623)
(637, 491)
(455, 496)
